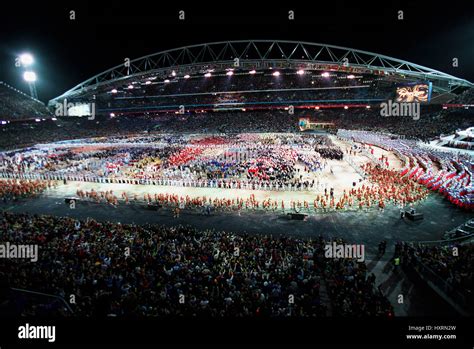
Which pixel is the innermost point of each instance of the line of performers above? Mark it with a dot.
(388, 186)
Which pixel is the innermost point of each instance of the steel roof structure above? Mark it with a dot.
(263, 54)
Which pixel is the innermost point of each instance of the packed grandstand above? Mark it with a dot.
(216, 135)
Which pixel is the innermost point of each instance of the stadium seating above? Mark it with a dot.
(16, 105)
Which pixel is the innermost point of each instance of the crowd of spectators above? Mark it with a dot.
(134, 271)
(431, 124)
(245, 90)
(16, 105)
(453, 264)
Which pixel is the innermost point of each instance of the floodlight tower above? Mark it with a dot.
(30, 78)
(27, 60)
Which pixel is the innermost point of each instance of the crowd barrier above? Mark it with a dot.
(222, 183)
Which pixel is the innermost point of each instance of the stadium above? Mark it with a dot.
(240, 179)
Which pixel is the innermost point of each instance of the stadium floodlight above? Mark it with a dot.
(148, 82)
(368, 106)
(26, 59)
(346, 107)
(166, 81)
(130, 87)
(29, 76)
(317, 108)
(253, 71)
(114, 91)
(350, 76)
(300, 72)
(229, 73)
(54, 119)
(276, 73)
(325, 74)
(207, 75)
(173, 73)
(112, 115)
(186, 76)
(38, 120)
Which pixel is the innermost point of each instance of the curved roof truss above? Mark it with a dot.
(263, 53)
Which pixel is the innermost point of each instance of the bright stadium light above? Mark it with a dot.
(300, 72)
(346, 107)
(325, 74)
(229, 73)
(114, 91)
(148, 82)
(173, 73)
(317, 108)
(207, 75)
(368, 106)
(112, 115)
(29, 76)
(166, 81)
(130, 87)
(186, 76)
(277, 73)
(350, 76)
(253, 71)
(26, 59)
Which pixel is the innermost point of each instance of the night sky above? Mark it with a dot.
(67, 52)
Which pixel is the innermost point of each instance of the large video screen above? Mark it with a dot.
(414, 93)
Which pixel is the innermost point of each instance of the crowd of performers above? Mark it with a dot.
(449, 173)
(254, 162)
(267, 160)
(12, 189)
(385, 187)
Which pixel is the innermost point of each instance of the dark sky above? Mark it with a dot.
(103, 34)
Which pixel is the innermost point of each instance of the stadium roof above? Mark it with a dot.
(262, 54)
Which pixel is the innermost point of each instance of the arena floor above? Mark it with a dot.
(362, 226)
(339, 175)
